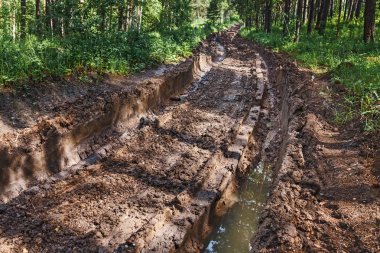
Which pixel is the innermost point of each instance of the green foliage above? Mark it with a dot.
(347, 59)
(213, 11)
(104, 36)
(113, 52)
(218, 10)
(199, 8)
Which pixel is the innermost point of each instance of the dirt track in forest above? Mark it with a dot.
(155, 183)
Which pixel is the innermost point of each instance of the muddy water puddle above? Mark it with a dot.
(234, 231)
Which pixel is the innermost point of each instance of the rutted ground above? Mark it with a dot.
(159, 179)
(325, 195)
(155, 187)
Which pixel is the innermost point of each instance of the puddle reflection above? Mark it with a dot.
(236, 228)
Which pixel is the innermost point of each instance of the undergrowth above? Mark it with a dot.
(109, 52)
(345, 58)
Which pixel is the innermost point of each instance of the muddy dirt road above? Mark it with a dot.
(158, 182)
(146, 163)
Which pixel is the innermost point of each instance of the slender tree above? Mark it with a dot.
(304, 13)
(325, 13)
(346, 9)
(358, 9)
(369, 21)
(120, 15)
(140, 14)
(285, 30)
(320, 6)
(298, 20)
(331, 8)
(48, 14)
(339, 16)
(1, 10)
(352, 8)
(23, 19)
(311, 16)
(268, 16)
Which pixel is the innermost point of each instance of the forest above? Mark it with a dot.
(44, 38)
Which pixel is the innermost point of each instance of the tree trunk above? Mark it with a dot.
(126, 20)
(331, 8)
(257, 19)
(352, 9)
(48, 15)
(14, 24)
(358, 9)
(304, 13)
(103, 13)
(38, 15)
(346, 9)
(285, 30)
(23, 19)
(339, 16)
(319, 17)
(299, 20)
(67, 18)
(369, 21)
(268, 16)
(140, 18)
(311, 16)
(131, 14)
(1, 10)
(325, 13)
(121, 16)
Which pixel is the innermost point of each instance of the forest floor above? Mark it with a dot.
(155, 185)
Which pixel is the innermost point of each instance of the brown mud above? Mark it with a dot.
(74, 122)
(325, 195)
(147, 163)
(149, 171)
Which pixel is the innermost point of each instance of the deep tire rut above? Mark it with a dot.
(156, 187)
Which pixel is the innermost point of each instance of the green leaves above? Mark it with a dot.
(347, 59)
(109, 52)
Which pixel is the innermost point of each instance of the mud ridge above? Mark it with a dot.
(55, 145)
